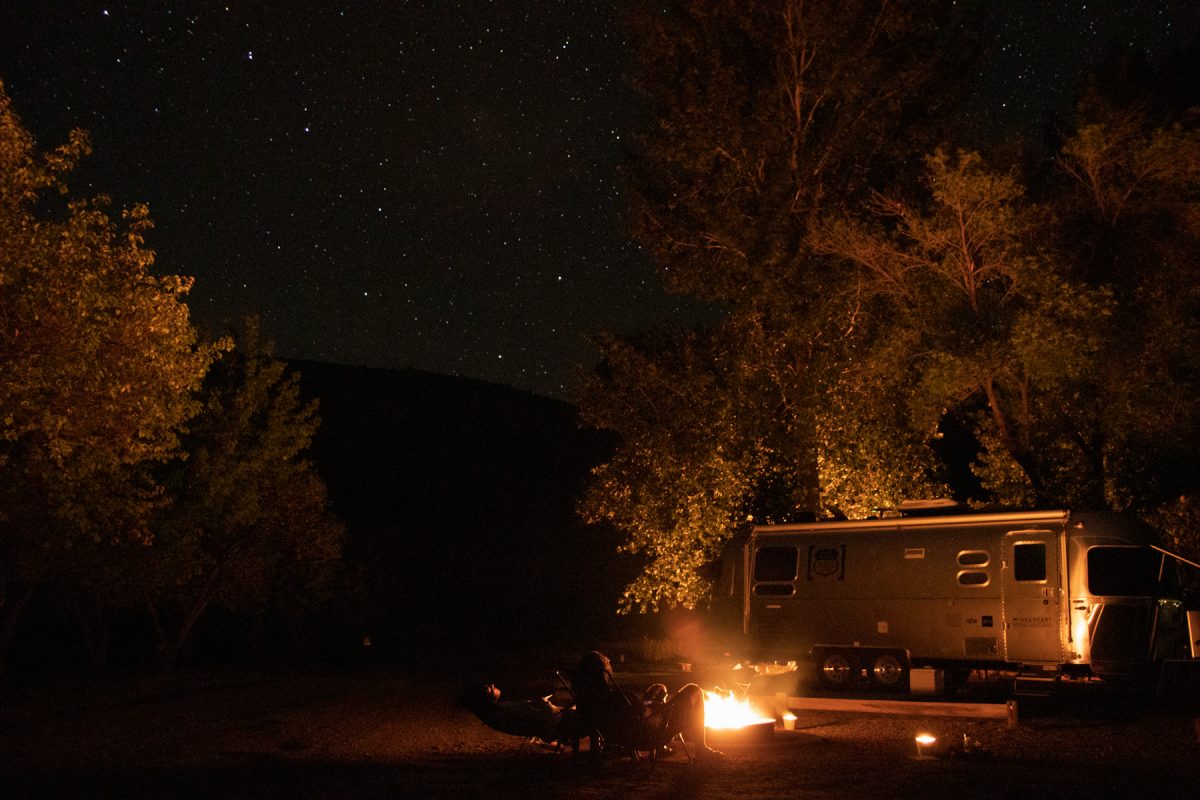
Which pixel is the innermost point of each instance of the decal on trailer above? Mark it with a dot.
(825, 562)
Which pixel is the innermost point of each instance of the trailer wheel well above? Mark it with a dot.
(842, 666)
(838, 668)
(888, 669)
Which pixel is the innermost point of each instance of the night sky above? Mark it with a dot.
(426, 184)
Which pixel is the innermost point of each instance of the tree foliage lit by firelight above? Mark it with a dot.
(98, 364)
(884, 274)
(139, 467)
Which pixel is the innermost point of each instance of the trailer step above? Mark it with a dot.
(1035, 685)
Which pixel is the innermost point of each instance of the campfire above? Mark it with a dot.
(728, 716)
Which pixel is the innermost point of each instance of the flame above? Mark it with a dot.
(724, 711)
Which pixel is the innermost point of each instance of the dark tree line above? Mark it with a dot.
(885, 274)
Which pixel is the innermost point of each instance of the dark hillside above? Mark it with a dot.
(458, 497)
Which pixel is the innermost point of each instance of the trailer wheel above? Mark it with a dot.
(888, 672)
(838, 669)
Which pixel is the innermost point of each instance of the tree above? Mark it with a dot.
(766, 114)
(1066, 323)
(1132, 192)
(984, 321)
(691, 465)
(98, 364)
(713, 440)
(871, 295)
(247, 514)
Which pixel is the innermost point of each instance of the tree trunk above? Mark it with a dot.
(96, 624)
(12, 604)
(258, 635)
(169, 647)
(166, 649)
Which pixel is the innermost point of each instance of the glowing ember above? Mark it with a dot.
(724, 711)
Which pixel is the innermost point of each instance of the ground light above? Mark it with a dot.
(923, 741)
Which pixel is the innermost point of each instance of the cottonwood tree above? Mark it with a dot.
(1132, 197)
(1066, 324)
(97, 576)
(710, 443)
(869, 293)
(98, 364)
(247, 514)
(765, 114)
(956, 294)
(692, 465)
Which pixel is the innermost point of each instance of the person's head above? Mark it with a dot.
(477, 698)
(594, 675)
(595, 664)
(655, 693)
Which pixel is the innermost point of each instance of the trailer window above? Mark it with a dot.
(1123, 571)
(973, 577)
(973, 558)
(774, 589)
(776, 563)
(1029, 561)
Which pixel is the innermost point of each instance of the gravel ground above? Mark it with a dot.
(390, 732)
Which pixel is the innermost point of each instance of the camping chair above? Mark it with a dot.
(660, 730)
(533, 721)
(616, 723)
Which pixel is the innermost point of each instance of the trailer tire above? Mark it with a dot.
(888, 671)
(838, 669)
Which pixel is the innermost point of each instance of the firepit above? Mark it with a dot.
(746, 734)
(731, 720)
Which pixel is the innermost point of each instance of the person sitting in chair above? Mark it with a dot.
(538, 719)
(612, 719)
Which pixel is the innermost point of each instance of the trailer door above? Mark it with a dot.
(1031, 587)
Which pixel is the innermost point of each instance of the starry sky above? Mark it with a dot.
(427, 184)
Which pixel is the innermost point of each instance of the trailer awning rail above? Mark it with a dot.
(1175, 556)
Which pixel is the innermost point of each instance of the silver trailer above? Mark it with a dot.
(1045, 592)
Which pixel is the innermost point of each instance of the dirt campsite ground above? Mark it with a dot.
(395, 731)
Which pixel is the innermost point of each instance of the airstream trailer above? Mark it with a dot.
(1039, 592)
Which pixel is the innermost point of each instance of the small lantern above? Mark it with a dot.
(923, 741)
